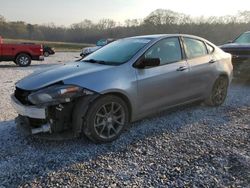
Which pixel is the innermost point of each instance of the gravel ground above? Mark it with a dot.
(192, 146)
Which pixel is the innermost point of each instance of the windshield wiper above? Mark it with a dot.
(93, 61)
(97, 61)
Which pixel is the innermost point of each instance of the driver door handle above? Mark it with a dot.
(182, 68)
(212, 61)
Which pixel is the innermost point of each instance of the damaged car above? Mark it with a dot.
(120, 83)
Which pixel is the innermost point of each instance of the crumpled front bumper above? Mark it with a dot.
(24, 127)
(25, 114)
(28, 111)
(52, 122)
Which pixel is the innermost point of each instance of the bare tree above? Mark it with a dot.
(2, 19)
(244, 16)
(216, 29)
(104, 24)
(85, 24)
(132, 23)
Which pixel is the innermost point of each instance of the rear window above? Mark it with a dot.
(210, 48)
(194, 48)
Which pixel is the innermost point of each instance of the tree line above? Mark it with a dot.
(216, 29)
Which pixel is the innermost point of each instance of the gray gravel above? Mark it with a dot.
(192, 146)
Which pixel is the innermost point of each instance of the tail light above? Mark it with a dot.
(41, 49)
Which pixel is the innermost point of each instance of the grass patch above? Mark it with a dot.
(59, 46)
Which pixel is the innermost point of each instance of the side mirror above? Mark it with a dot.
(148, 62)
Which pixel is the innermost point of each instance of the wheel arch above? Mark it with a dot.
(211, 85)
(209, 101)
(78, 123)
(19, 53)
(224, 75)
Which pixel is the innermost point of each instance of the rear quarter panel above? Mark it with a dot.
(33, 50)
(224, 64)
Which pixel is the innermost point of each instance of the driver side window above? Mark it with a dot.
(167, 50)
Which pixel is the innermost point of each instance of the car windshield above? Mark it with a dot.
(117, 52)
(244, 38)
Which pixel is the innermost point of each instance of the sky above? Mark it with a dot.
(67, 12)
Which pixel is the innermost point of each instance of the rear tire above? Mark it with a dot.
(219, 92)
(105, 119)
(23, 60)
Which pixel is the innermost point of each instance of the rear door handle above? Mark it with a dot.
(181, 68)
(212, 61)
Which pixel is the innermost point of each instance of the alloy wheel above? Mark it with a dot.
(220, 91)
(109, 120)
(23, 60)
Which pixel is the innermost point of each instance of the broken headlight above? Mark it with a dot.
(57, 94)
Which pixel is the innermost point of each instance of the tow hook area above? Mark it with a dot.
(43, 129)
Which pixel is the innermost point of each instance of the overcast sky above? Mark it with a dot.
(66, 12)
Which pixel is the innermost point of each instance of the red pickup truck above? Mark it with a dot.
(21, 54)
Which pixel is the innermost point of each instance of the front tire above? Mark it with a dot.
(23, 60)
(105, 119)
(46, 54)
(219, 92)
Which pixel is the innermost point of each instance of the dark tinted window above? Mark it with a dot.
(194, 48)
(168, 50)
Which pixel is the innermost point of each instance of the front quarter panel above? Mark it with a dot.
(119, 79)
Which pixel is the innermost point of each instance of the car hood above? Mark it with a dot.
(59, 73)
(235, 45)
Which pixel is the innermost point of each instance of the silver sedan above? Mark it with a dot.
(122, 82)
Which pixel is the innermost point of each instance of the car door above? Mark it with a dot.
(201, 65)
(166, 84)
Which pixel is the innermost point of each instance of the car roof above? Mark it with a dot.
(159, 36)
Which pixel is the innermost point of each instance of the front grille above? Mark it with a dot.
(22, 96)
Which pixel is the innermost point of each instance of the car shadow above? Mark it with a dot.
(8, 66)
(20, 154)
(2, 66)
